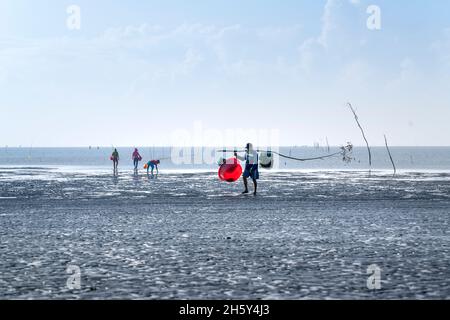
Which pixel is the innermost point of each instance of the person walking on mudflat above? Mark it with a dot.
(136, 158)
(251, 159)
(115, 160)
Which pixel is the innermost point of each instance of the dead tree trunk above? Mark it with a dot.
(363, 134)
(390, 155)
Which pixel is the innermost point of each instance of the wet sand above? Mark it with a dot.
(189, 236)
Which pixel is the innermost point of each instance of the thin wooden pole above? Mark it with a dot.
(362, 131)
(390, 155)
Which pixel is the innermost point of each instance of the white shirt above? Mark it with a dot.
(250, 157)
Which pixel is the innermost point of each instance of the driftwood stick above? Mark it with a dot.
(362, 131)
(390, 155)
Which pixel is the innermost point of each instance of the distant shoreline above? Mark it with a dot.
(168, 147)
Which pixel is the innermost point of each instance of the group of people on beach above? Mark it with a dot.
(136, 157)
(251, 159)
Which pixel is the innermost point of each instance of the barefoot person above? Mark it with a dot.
(136, 158)
(152, 164)
(115, 160)
(251, 167)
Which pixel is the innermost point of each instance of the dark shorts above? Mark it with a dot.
(251, 170)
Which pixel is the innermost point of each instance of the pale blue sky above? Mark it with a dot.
(138, 71)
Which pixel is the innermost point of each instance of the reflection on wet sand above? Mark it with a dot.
(190, 236)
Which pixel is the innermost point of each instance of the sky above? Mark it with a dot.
(223, 72)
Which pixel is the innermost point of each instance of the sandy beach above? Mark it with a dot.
(189, 236)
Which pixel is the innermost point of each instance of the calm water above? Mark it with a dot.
(406, 158)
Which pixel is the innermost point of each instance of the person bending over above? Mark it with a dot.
(151, 165)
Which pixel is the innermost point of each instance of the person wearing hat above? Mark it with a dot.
(251, 167)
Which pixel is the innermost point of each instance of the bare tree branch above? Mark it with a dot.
(390, 156)
(362, 131)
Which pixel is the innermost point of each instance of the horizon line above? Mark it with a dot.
(169, 146)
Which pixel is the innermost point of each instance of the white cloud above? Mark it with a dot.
(316, 46)
(134, 60)
(129, 32)
(442, 48)
(356, 74)
(408, 69)
(328, 24)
